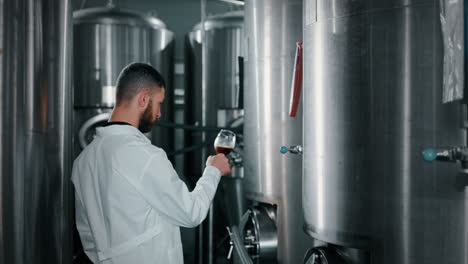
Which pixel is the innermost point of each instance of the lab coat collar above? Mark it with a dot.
(120, 130)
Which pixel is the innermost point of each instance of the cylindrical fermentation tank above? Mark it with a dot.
(221, 91)
(106, 40)
(372, 103)
(215, 101)
(35, 132)
(272, 180)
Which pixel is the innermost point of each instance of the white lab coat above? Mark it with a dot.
(130, 201)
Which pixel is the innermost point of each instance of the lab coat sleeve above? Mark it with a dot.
(170, 196)
(84, 230)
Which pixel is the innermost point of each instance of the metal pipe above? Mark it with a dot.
(65, 124)
(209, 223)
(194, 128)
(234, 2)
(189, 149)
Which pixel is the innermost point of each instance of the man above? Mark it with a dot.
(129, 200)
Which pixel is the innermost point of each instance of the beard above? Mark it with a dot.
(146, 120)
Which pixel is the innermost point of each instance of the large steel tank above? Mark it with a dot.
(372, 103)
(35, 132)
(272, 180)
(213, 98)
(220, 91)
(106, 40)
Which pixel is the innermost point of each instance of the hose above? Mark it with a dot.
(191, 127)
(237, 129)
(189, 149)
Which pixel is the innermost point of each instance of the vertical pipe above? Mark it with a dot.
(208, 225)
(66, 126)
(2, 22)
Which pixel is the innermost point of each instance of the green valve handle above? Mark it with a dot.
(429, 154)
(292, 149)
(284, 150)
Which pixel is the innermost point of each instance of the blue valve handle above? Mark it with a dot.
(429, 154)
(284, 150)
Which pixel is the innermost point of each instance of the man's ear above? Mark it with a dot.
(143, 98)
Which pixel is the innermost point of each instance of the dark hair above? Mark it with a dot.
(136, 77)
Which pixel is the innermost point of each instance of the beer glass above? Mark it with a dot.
(225, 142)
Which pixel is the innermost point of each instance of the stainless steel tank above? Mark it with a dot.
(272, 28)
(106, 40)
(214, 101)
(221, 91)
(372, 103)
(35, 137)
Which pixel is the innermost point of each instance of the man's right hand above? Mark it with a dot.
(221, 162)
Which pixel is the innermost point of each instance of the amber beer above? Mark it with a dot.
(223, 150)
(225, 142)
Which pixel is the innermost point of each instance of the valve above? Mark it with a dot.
(235, 159)
(325, 255)
(237, 244)
(231, 248)
(429, 154)
(452, 154)
(446, 154)
(292, 149)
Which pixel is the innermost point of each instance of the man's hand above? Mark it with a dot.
(221, 162)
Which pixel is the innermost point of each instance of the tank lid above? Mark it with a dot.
(231, 19)
(114, 15)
